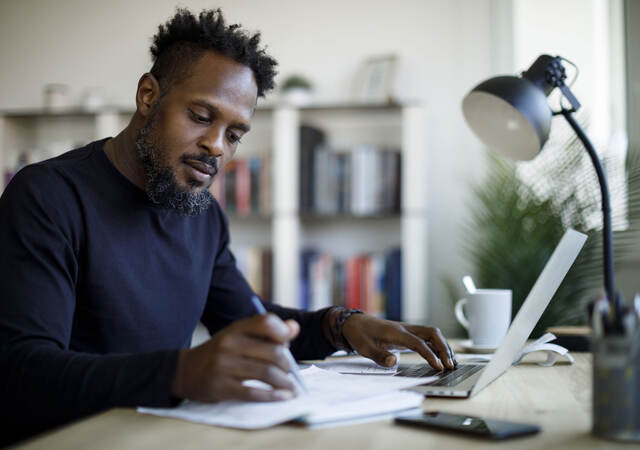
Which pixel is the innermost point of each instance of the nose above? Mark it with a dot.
(213, 142)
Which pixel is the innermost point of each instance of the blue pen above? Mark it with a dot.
(295, 370)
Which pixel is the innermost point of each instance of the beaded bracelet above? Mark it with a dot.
(339, 341)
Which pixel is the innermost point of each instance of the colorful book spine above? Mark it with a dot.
(243, 187)
(371, 282)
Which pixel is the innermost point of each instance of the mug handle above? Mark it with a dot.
(460, 313)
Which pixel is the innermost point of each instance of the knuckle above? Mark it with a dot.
(272, 373)
(266, 372)
(280, 357)
(226, 341)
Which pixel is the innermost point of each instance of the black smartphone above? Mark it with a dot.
(476, 426)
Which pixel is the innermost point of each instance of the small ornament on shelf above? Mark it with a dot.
(296, 90)
(56, 97)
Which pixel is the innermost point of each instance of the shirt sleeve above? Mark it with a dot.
(43, 382)
(230, 299)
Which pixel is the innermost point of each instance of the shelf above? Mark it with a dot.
(251, 218)
(267, 107)
(317, 217)
(337, 106)
(70, 112)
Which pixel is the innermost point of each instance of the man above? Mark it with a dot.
(113, 252)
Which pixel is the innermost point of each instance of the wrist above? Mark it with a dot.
(333, 326)
(177, 387)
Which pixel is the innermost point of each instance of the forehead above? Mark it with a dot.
(221, 81)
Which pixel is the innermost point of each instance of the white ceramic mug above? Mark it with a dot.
(488, 315)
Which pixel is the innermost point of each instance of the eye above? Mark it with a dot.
(197, 118)
(234, 138)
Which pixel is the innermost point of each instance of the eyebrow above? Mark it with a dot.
(215, 110)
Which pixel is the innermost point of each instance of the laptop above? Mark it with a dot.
(470, 378)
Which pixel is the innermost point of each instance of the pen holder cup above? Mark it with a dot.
(616, 387)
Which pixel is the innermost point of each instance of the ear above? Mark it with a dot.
(147, 94)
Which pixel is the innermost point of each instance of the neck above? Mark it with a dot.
(121, 151)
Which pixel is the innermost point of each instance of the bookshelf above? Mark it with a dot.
(284, 228)
(39, 134)
(400, 126)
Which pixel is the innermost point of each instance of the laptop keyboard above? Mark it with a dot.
(447, 378)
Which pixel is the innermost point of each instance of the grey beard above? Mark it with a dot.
(162, 187)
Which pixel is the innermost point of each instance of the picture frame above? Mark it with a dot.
(377, 79)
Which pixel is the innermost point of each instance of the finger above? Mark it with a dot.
(437, 342)
(238, 391)
(268, 326)
(294, 328)
(258, 349)
(453, 355)
(379, 355)
(442, 348)
(418, 345)
(250, 369)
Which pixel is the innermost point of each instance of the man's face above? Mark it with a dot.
(194, 130)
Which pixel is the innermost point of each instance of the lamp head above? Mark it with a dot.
(510, 114)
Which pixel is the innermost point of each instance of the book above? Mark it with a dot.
(393, 285)
(255, 172)
(256, 265)
(265, 185)
(242, 188)
(310, 140)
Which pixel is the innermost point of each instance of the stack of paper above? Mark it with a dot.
(332, 397)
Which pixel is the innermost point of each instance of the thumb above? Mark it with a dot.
(381, 356)
(294, 328)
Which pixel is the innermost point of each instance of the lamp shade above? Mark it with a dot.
(510, 115)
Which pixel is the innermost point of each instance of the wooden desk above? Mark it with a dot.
(556, 398)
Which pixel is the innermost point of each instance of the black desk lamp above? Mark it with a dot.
(511, 115)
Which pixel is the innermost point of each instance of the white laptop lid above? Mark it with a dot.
(534, 305)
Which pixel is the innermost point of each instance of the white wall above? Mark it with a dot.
(444, 47)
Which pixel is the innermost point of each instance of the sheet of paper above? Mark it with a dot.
(359, 365)
(327, 391)
(373, 407)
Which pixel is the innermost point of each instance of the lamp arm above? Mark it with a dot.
(607, 237)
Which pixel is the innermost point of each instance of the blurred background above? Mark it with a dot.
(360, 183)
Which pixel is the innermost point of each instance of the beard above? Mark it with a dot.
(161, 183)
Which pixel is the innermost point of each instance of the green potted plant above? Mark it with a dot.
(296, 90)
(521, 212)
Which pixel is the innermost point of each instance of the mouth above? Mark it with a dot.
(200, 171)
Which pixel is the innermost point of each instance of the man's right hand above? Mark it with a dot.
(249, 349)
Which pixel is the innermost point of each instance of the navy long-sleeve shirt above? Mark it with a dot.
(101, 288)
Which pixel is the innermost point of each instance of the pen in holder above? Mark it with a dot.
(616, 381)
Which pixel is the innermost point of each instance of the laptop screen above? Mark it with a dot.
(534, 305)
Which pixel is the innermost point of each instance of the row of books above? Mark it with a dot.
(243, 188)
(370, 282)
(363, 180)
(256, 264)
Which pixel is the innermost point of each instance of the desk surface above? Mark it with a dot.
(556, 398)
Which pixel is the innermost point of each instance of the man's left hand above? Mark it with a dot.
(373, 338)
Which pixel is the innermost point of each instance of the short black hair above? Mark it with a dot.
(184, 38)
